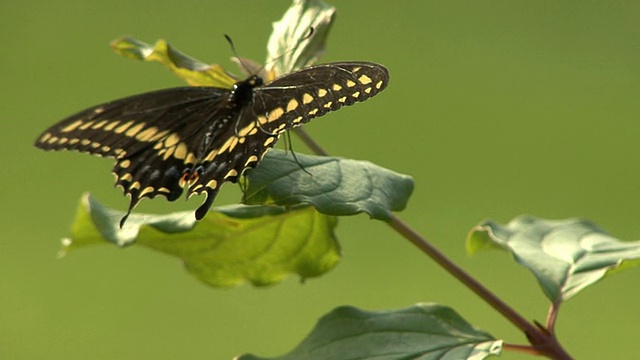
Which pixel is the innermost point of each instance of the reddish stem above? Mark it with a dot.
(543, 341)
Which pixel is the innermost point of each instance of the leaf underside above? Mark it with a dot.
(565, 256)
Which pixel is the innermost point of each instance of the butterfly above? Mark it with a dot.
(200, 137)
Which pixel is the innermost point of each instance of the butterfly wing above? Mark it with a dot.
(153, 136)
(205, 136)
(286, 102)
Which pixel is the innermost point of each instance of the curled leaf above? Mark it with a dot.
(232, 245)
(298, 39)
(566, 256)
(194, 72)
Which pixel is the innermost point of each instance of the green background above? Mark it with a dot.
(495, 108)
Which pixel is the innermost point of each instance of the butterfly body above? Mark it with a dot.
(200, 137)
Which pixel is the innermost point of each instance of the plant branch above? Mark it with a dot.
(544, 343)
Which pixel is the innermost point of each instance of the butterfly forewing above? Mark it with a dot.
(201, 137)
(314, 91)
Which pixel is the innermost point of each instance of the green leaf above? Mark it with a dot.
(565, 256)
(334, 186)
(423, 331)
(230, 246)
(194, 72)
(290, 48)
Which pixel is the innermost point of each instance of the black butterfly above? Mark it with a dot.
(201, 137)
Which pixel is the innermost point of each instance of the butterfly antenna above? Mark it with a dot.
(235, 54)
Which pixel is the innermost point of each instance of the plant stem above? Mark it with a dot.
(544, 342)
(552, 317)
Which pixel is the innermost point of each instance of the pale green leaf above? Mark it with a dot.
(230, 246)
(565, 256)
(290, 47)
(194, 72)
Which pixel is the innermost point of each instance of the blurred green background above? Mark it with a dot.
(495, 108)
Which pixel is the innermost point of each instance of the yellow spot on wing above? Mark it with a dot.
(328, 105)
(147, 190)
(292, 105)
(159, 136)
(211, 155)
(126, 177)
(85, 126)
(231, 173)
(356, 94)
(269, 141)
(120, 129)
(244, 131)
(350, 83)
(281, 127)
(125, 163)
(72, 126)
(336, 87)
(313, 112)
(135, 185)
(99, 124)
(85, 142)
(379, 84)
(250, 160)
(212, 184)
(229, 144)
(364, 80)
(147, 134)
(322, 92)
(275, 114)
(134, 130)
(190, 159)
(111, 125)
(53, 139)
(181, 151)
(45, 137)
(342, 99)
(306, 98)
(169, 152)
(171, 140)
